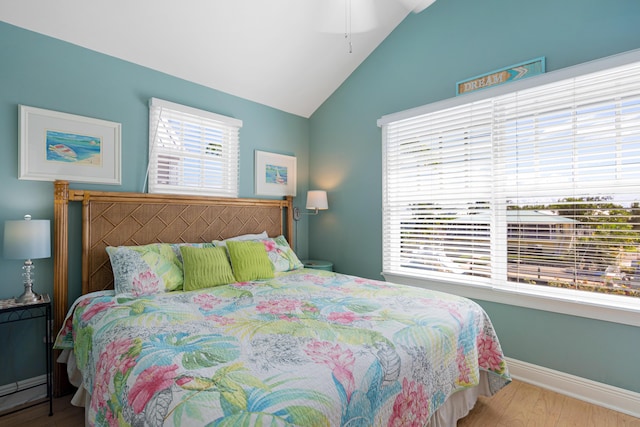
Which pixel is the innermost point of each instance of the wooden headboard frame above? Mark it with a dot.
(119, 218)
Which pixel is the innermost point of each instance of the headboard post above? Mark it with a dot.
(289, 234)
(86, 233)
(60, 273)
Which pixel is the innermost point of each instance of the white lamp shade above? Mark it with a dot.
(27, 239)
(317, 199)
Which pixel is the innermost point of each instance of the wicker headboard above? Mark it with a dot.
(118, 218)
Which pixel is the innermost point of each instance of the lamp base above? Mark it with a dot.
(28, 296)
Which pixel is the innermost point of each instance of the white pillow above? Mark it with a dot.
(242, 237)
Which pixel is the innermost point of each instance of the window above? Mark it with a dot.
(192, 151)
(535, 190)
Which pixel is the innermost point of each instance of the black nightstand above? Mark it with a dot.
(10, 311)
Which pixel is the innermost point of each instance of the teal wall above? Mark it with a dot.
(43, 72)
(419, 63)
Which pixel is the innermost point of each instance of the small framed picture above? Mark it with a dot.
(275, 174)
(55, 145)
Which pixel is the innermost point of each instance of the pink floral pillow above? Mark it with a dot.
(145, 270)
(281, 255)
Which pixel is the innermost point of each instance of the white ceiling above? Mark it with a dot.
(287, 54)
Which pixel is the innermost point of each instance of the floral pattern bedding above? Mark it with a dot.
(308, 348)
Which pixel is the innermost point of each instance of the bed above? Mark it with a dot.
(294, 347)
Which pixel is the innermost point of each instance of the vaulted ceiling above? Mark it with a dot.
(287, 54)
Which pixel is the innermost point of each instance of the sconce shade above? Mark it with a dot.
(317, 199)
(27, 239)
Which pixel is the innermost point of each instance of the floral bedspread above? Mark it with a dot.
(308, 348)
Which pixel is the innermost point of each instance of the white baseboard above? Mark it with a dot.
(618, 399)
(24, 391)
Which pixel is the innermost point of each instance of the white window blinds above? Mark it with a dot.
(437, 168)
(192, 151)
(540, 186)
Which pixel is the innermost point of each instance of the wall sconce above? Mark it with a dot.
(316, 200)
(27, 239)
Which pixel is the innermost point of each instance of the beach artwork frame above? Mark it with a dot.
(56, 145)
(275, 174)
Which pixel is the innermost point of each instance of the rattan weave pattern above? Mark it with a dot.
(135, 223)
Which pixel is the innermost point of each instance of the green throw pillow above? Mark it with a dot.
(205, 267)
(250, 261)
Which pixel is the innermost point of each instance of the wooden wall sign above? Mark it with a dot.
(501, 76)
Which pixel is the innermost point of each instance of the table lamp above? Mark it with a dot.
(27, 239)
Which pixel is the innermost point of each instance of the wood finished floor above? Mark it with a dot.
(519, 404)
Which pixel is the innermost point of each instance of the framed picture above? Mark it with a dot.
(56, 145)
(275, 174)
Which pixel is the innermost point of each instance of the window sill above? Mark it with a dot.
(610, 308)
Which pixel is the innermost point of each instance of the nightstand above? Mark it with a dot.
(318, 264)
(11, 311)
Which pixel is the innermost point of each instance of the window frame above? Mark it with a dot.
(612, 308)
(196, 132)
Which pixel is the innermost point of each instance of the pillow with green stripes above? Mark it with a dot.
(249, 261)
(205, 267)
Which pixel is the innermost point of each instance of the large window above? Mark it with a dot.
(533, 189)
(192, 151)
